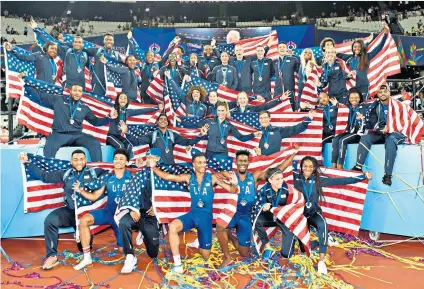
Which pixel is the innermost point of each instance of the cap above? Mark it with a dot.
(384, 86)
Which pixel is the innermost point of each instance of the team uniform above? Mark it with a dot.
(200, 215)
(285, 69)
(242, 218)
(114, 189)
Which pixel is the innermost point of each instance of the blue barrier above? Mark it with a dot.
(14, 222)
(400, 212)
(379, 215)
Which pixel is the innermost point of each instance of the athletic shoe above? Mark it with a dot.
(387, 179)
(194, 244)
(357, 168)
(322, 268)
(85, 262)
(129, 265)
(139, 239)
(50, 262)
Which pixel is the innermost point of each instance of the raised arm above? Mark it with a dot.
(96, 121)
(238, 135)
(326, 181)
(46, 177)
(260, 176)
(172, 178)
(298, 128)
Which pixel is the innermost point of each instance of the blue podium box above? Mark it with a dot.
(395, 209)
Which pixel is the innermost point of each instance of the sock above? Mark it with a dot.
(177, 260)
(87, 254)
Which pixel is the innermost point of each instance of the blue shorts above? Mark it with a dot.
(243, 228)
(203, 224)
(105, 217)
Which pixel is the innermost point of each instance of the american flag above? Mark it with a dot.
(291, 215)
(402, 118)
(172, 102)
(40, 41)
(309, 92)
(156, 89)
(342, 206)
(342, 118)
(39, 196)
(249, 45)
(14, 66)
(171, 199)
(38, 116)
(145, 118)
(140, 52)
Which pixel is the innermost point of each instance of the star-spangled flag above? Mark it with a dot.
(131, 195)
(38, 116)
(197, 81)
(140, 53)
(156, 89)
(342, 118)
(291, 215)
(39, 196)
(14, 66)
(249, 45)
(171, 199)
(402, 118)
(173, 104)
(41, 41)
(342, 205)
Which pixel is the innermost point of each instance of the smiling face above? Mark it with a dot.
(199, 164)
(328, 44)
(282, 49)
(131, 61)
(172, 59)
(330, 54)
(195, 95)
(123, 100)
(323, 98)
(242, 163)
(276, 181)
(224, 58)
(193, 59)
(383, 94)
(213, 97)
(242, 99)
(108, 41)
(150, 57)
(238, 50)
(163, 122)
(307, 168)
(77, 44)
(260, 52)
(76, 92)
(354, 99)
(221, 111)
(264, 119)
(307, 54)
(207, 51)
(52, 50)
(119, 161)
(78, 161)
(357, 47)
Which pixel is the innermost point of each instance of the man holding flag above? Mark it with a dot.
(69, 114)
(114, 185)
(64, 216)
(242, 219)
(200, 216)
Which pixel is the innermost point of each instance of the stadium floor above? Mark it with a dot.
(378, 271)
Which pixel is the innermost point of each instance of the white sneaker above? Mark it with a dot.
(178, 269)
(129, 265)
(194, 244)
(139, 239)
(322, 268)
(85, 262)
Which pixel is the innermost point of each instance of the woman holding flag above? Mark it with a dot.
(359, 61)
(114, 137)
(219, 130)
(310, 182)
(307, 63)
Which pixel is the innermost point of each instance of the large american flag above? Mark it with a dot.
(14, 66)
(291, 215)
(342, 206)
(249, 45)
(38, 116)
(39, 196)
(402, 118)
